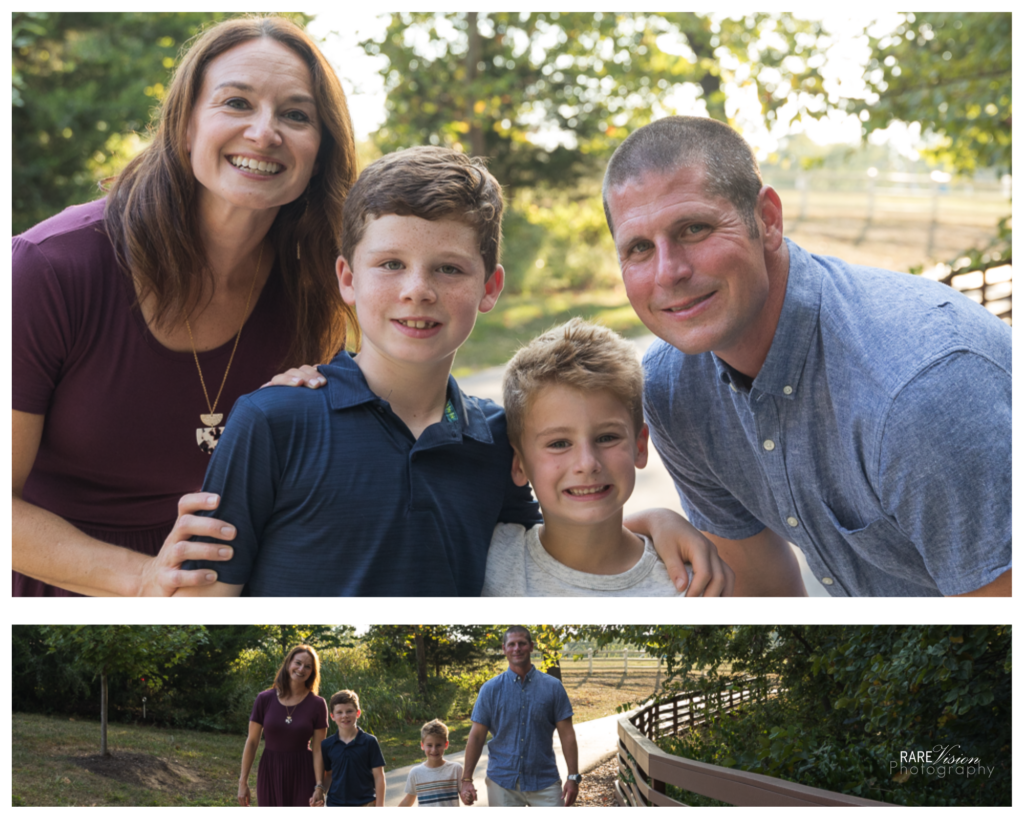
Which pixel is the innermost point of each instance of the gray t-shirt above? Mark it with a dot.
(518, 565)
(435, 787)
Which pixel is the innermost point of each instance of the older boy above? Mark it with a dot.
(388, 480)
(353, 762)
(574, 404)
(435, 783)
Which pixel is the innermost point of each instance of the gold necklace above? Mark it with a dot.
(207, 437)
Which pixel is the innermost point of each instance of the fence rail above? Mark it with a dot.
(646, 771)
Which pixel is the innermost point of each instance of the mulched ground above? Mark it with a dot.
(598, 787)
(144, 770)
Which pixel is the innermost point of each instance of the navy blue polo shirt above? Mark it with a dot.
(351, 765)
(331, 495)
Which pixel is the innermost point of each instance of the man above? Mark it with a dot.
(522, 708)
(862, 414)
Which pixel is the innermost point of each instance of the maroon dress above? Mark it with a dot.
(286, 777)
(119, 443)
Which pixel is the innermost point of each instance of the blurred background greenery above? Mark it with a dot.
(918, 179)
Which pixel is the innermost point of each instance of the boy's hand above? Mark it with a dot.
(677, 543)
(467, 791)
(306, 375)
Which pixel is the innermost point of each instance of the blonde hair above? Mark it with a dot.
(436, 728)
(580, 355)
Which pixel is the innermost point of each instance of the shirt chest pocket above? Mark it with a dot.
(879, 543)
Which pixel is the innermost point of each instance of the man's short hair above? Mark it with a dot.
(516, 630)
(343, 697)
(434, 728)
(580, 355)
(431, 183)
(666, 145)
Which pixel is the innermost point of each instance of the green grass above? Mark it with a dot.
(518, 318)
(43, 770)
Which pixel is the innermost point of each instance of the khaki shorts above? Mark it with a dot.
(499, 797)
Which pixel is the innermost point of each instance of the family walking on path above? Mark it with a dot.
(522, 709)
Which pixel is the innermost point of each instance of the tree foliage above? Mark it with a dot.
(122, 650)
(952, 73)
(854, 698)
(446, 647)
(506, 84)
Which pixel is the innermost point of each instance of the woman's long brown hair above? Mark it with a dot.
(151, 213)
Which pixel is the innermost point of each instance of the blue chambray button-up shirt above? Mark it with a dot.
(876, 437)
(521, 716)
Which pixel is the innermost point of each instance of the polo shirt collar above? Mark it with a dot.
(347, 388)
(797, 325)
(359, 738)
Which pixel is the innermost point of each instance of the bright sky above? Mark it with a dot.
(343, 30)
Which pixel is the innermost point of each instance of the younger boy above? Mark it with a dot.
(574, 404)
(435, 783)
(353, 763)
(388, 480)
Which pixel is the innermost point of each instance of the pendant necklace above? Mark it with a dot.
(208, 436)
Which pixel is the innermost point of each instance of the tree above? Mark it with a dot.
(506, 84)
(318, 636)
(436, 647)
(952, 73)
(131, 651)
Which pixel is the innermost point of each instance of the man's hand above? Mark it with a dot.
(467, 792)
(569, 793)
(304, 376)
(677, 543)
(162, 575)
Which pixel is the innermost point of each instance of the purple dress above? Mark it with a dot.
(119, 443)
(286, 777)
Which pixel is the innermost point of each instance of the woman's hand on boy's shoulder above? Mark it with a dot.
(305, 376)
(677, 543)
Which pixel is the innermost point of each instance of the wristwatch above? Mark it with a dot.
(577, 778)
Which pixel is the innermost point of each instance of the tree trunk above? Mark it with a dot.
(421, 662)
(476, 136)
(103, 716)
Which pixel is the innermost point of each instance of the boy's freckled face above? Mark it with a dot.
(345, 715)
(417, 286)
(580, 453)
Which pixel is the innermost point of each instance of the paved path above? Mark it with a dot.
(596, 739)
(654, 486)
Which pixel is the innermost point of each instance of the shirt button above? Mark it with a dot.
(769, 444)
(788, 390)
(792, 521)
(827, 581)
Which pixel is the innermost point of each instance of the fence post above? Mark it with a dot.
(625, 662)
(657, 676)
(590, 661)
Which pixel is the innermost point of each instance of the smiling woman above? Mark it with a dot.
(139, 319)
(293, 720)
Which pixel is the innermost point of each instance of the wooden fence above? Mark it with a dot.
(992, 288)
(646, 770)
